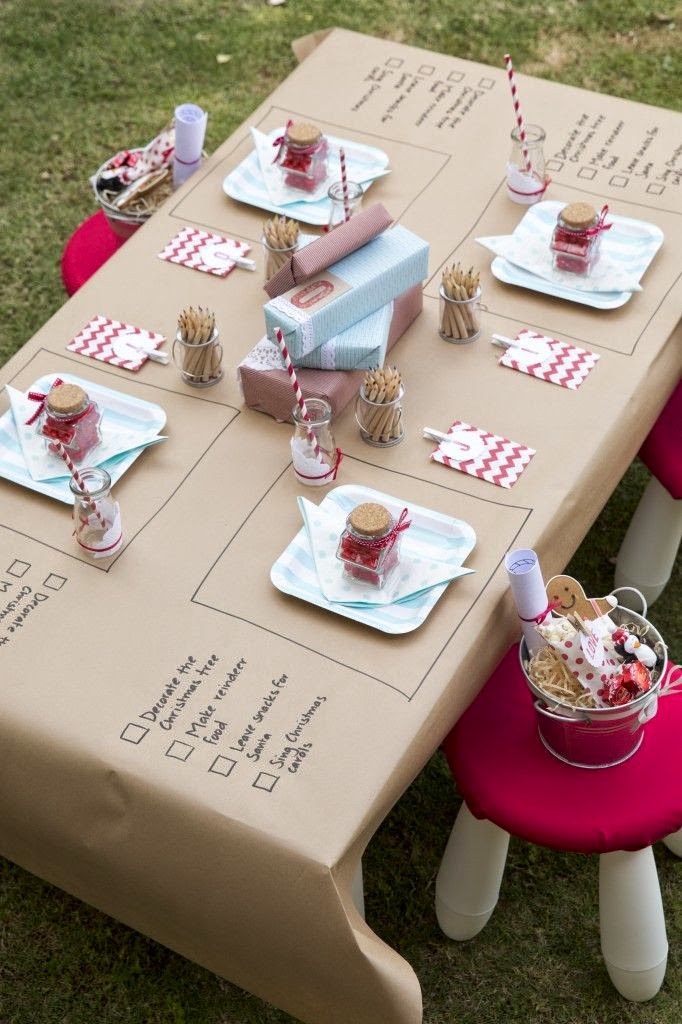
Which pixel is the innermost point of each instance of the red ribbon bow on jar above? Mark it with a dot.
(599, 226)
(377, 543)
(280, 140)
(38, 396)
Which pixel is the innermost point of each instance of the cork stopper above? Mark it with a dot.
(578, 216)
(66, 399)
(303, 133)
(370, 519)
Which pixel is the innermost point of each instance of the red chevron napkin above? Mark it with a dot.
(111, 341)
(202, 250)
(479, 453)
(564, 364)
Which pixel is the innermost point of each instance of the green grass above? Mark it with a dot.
(80, 79)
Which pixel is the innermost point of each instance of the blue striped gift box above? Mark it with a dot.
(377, 273)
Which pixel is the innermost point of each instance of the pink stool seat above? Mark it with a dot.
(89, 247)
(661, 453)
(506, 775)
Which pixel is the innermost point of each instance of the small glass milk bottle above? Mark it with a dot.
(96, 516)
(342, 207)
(315, 458)
(526, 179)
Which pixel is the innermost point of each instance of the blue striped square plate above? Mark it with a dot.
(117, 408)
(431, 536)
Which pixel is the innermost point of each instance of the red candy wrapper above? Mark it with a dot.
(633, 680)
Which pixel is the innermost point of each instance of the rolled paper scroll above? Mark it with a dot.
(528, 588)
(190, 129)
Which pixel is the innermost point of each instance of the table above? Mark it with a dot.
(232, 835)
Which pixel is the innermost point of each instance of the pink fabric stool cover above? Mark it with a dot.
(661, 453)
(89, 247)
(505, 775)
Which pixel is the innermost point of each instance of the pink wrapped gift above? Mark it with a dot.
(329, 249)
(267, 388)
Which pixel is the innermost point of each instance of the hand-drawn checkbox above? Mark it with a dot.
(587, 172)
(180, 751)
(426, 69)
(487, 83)
(394, 62)
(266, 781)
(554, 165)
(54, 581)
(134, 733)
(455, 76)
(619, 181)
(223, 765)
(655, 188)
(19, 568)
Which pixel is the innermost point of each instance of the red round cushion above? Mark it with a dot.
(506, 775)
(89, 247)
(662, 451)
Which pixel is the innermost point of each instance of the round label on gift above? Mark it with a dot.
(463, 446)
(219, 254)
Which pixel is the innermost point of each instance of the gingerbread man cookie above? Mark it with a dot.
(569, 596)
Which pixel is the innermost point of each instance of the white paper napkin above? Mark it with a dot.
(44, 466)
(417, 571)
(363, 164)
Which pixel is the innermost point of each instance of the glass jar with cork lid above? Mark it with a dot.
(71, 418)
(576, 239)
(370, 544)
(302, 156)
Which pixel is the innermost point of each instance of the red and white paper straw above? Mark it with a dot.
(298, 393)
(344, 184)
(517, 109)
(61, 451)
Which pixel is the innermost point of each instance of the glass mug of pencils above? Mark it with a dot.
(197, 353)
(379, 408)
(460, 305)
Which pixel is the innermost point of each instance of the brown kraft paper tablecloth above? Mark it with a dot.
(188, 749)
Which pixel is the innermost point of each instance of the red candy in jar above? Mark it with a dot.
(370, 545)
(576, 239)
(71, 418)
(303, 156)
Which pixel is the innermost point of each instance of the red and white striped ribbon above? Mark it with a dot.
(517, 109)
(298, 393)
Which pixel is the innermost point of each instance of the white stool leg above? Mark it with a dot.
(468, 883)
(358, 891)
(633, 939)
(648, 551)
(674, 843)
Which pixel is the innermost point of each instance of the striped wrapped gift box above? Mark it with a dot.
(369, 278)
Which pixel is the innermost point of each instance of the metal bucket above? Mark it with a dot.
(121, 223)
(597, 737)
